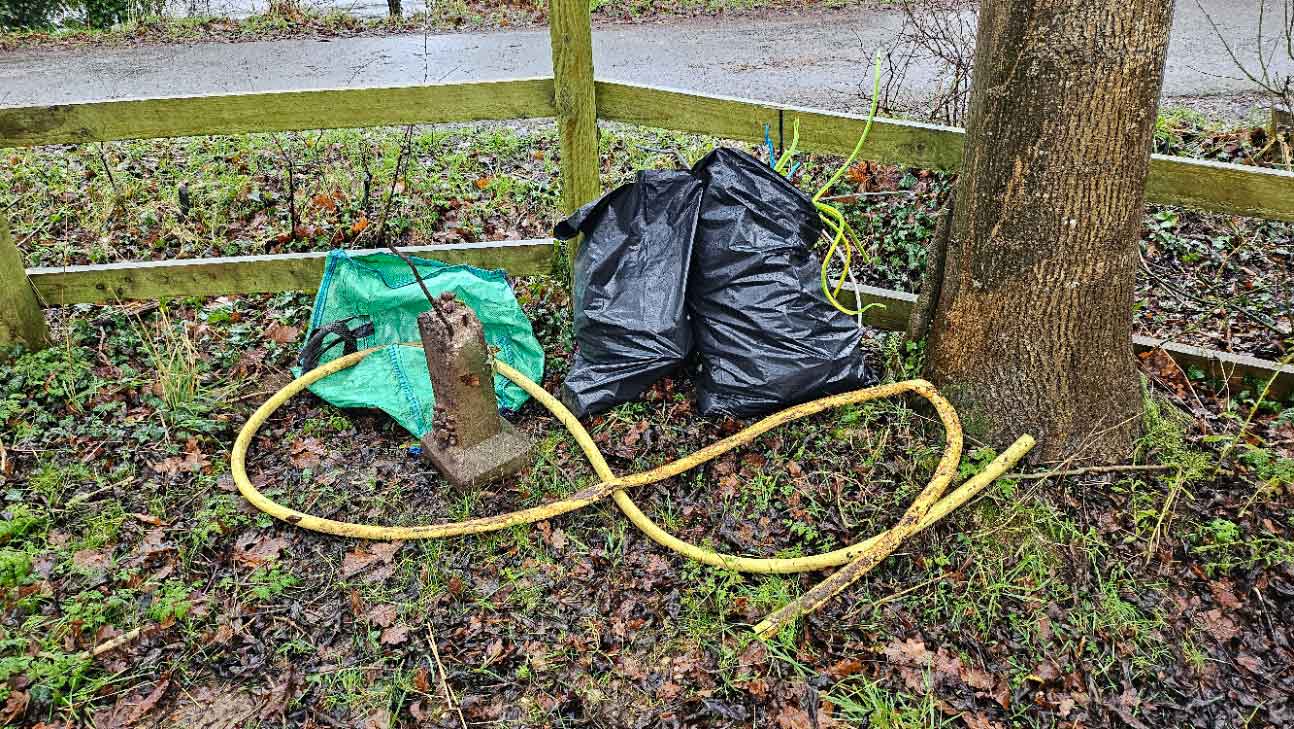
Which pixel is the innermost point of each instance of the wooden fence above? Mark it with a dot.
(576, 101)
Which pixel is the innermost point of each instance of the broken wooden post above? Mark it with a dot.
(22, 320)
(469, 442)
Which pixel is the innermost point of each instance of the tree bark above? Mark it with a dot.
(393, 8)
(1032, 331)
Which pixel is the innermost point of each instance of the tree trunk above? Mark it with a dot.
(1032, 331)
(393, 8)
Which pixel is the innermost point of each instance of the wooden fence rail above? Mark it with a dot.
(114, 282)
(1213, 186)
(275, 111)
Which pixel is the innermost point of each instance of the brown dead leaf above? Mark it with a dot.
(845, 667)
(382, 615)
(147, 703)
(395, 635)
(421, 682)
(358, 226)
(282, 333)
(324, 201)
(977, 679)
(379, 719)
(910, 652)
(14, 707)
(374, 558)
(253, 548)
(1217, 624)
(483, 182)
(793, 717)
(305, 452)
(91, 561)
(980, 721)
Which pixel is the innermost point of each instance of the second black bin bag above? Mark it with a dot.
(766, 335)
(631, 275)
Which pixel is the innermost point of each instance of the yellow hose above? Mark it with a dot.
(925, 510)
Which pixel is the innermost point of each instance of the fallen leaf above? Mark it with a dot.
(282, 333)
(394, 635)
(14, 707)
(382, 615)
(358, 226)
(980, 721)
(376, 556)
(91, 561)
(324, 201)
(794, 717)
(977, 679)
(910, 652)
(253, 549)
(306, 452)
(147, 703)
(845, 667)
(1250, 663)
(1218, 624)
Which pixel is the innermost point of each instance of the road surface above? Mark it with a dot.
(818, 58)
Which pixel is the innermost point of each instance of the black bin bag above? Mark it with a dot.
(630, 288)
(766, 335)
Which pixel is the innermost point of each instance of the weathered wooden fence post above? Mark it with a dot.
(21, 317)
(571, 29)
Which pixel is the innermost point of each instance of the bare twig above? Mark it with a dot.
(1038, 475)
(1228, 304)
(103, 158)
(291, 162)
(444, 685)
(942, 31)
(114, 643)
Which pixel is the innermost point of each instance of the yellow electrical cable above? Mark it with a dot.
(926, 509)
(835, 220)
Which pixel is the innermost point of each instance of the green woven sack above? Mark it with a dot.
(379, 288)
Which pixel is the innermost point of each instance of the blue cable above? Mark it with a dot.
(768, 142)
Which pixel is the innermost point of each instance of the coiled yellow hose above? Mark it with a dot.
(925, 510)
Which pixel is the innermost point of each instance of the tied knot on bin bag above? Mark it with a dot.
(713, 263)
